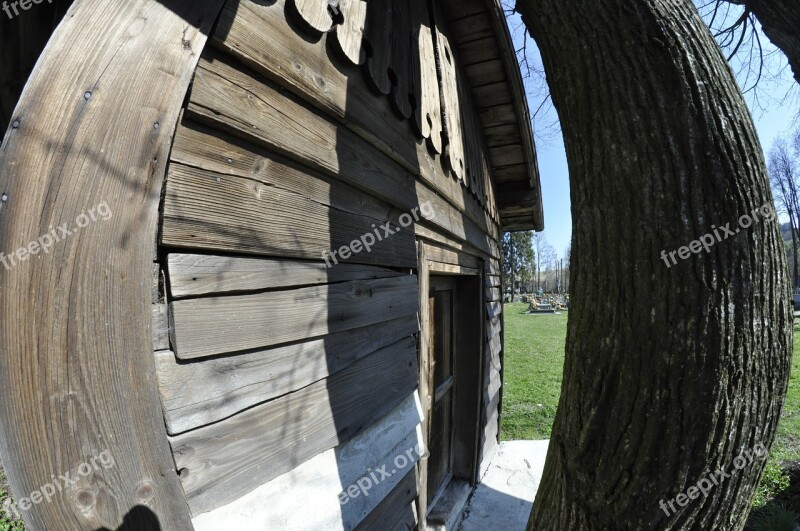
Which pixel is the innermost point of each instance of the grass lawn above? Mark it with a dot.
(534, 362)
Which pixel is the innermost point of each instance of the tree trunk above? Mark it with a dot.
(780, 20)
(672, 369)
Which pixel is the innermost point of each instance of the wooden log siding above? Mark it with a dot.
(225, 461)
(284, 502)
(233, 100)
(305, 69)
(234, 383)
(198, 274)
(218, 325)
(272, 218)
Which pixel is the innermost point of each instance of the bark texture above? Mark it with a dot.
(780, 20)
(670, 371)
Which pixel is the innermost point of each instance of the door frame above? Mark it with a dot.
(462, 267)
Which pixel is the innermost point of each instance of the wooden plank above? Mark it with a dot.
(440, 254)
(160, 313)
(493, 280)
(499, 115)
(511, 174)
(478, 51)
(506, 156)
(486, 73)
(494, 349)
(314, 12)
(402, 90)
(265, 219)
(306, 70)
(200, 274)
(283, 502)
(216, 325)
(451, 104)
(493, 328)
(493, 309)
(379, 36)
(502, 135)
(349, 35)
(396, 508)
(493, 295)
(478, 164)
(226, 460)
(197, 394)
(472, 28)
(283, 124)
(95, 122)
(427, 114)
(449, 269)
(425, 371)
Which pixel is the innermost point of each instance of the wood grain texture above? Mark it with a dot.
(427, 114)
(199, 393)
(94, 124)
(216, 325)
(379, 36)
(349, 35)
(402, 86)
(397, 508)
(272, 217)
(224, 461)
(200, 274)
(451, 103)
(315, 13)
(285, 125)
(283, 503)
(307, 71)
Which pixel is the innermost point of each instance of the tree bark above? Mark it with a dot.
(671, 371)
(780, 20)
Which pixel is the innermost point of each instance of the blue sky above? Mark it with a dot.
(774, 107)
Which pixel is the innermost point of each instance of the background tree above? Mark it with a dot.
(518, 259)
(545, 256)
(666, 378)
(785, 184)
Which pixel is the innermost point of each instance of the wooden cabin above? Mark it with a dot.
(251, 252)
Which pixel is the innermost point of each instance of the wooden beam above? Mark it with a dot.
(94, 124)
(234, 383)
(226, 460)
(201, 274)
(263, 218)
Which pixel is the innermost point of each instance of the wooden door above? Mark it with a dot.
(442, 382)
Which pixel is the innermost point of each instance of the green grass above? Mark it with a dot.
(534, 364)
(7, 523)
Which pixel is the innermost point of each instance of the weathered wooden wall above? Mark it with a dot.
(285, 379)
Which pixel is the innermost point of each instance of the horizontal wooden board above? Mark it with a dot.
(490, 96)
(509, 174)
(285, 125)
(498, 115)
(486, 73)
(493, 280)
(478, 51)
(506, 156)
(305, 69)
(450, 269)
(226, 460)
(493, 349)
(471, 28)
(217, 325)
(502, 135)
(447, 256)
(494, 309)
(201, 274)
(283, 502)
(200, 393)
(247, 216)
(493, 295)
(493, 328)
(160, 326)
(396, 508)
